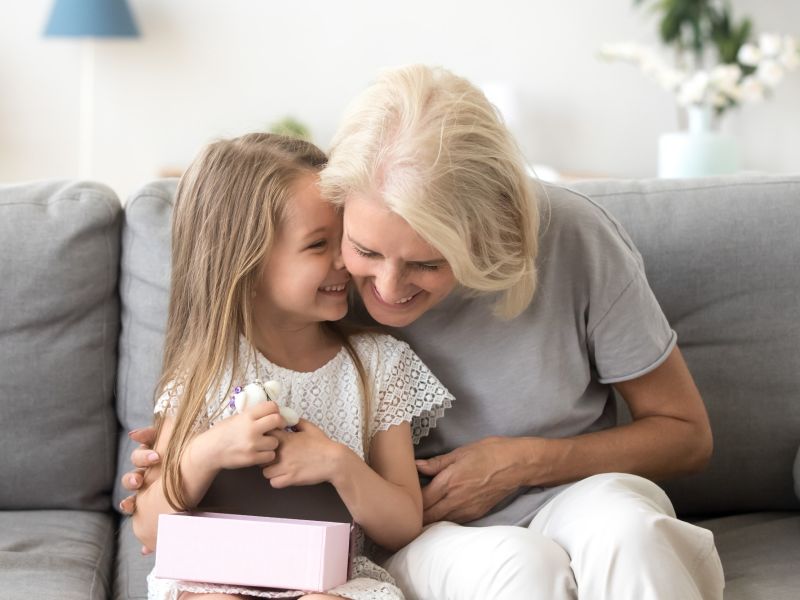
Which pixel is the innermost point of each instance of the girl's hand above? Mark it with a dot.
(306, 457)
(242, 440)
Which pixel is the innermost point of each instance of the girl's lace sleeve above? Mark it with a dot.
(406, 390)
(167, 402)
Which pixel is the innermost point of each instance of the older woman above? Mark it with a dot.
(530, 303)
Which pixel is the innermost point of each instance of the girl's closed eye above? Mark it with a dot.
(319, 244)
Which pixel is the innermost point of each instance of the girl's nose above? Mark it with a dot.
(338, 261)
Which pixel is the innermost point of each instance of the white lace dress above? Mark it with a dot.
(402, 389)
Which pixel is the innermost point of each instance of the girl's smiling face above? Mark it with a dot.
(303, 278)
(398, 274)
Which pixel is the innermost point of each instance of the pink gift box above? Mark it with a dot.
(245, 532)
(252, 550)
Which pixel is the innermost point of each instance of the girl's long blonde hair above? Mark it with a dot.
(433, 147)
(228, 206)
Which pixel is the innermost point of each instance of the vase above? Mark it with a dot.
(700, 151)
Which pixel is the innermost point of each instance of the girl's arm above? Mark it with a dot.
(385, 498)
(238, 441)
(670, 435)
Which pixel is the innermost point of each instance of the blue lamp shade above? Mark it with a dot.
(91, 18)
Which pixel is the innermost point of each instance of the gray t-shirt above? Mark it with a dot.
(594, 321)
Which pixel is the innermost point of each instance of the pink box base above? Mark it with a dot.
(252, 551)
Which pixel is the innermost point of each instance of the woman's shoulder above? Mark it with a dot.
(569, 217)
(561, 206)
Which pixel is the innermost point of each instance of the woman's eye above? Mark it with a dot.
(424, 267)
(318, 244)
(361, 252)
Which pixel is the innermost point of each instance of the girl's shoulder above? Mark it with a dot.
(376, 344)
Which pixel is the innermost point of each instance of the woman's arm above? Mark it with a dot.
(239, 441)
(670, 435)
(384, 498)
(151, 502)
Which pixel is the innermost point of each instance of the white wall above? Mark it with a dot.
(208, 68)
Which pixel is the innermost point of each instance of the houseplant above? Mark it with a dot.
(715, 67)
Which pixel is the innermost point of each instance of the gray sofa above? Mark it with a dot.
(83, 291)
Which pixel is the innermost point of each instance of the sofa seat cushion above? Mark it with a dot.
(131, 567)
(56, 554)
(760, 553)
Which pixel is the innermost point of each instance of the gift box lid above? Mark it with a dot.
(247, 492)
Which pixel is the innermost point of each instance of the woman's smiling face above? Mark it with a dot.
(398, 274)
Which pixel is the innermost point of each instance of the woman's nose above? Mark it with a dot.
(389, 283)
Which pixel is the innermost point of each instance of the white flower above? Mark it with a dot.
(722, 86)
(751, 89)
(789, 60)
(725, 77)
(627, 51)
(719, 100)
(749, 55)
(670, 79)
(789, 44)
(769, 72)
(770, 44)
(693, 90)
(790, 55)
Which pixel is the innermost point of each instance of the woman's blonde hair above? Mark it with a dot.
(228, 206)
(433, 147)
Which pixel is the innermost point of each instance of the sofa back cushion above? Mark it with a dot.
(59, 316)
(723, 258)
(144, 297)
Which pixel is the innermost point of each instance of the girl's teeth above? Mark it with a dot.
(333, 288)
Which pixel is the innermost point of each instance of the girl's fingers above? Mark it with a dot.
(263, 409)
(270, 422)
(271, 470)
(266, 443)
(266, 458)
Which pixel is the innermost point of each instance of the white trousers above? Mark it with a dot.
(608, 537)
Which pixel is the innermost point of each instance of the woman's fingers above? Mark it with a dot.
(143, 457)
(144, 435)
(128, 505)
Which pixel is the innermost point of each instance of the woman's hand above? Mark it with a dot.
(470, 480)
(306, 457)
(142, 457)
(243, 440)
(669, 436)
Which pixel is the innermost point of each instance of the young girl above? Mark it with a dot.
(257, 286)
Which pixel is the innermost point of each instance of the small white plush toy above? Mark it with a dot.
(257, 392)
